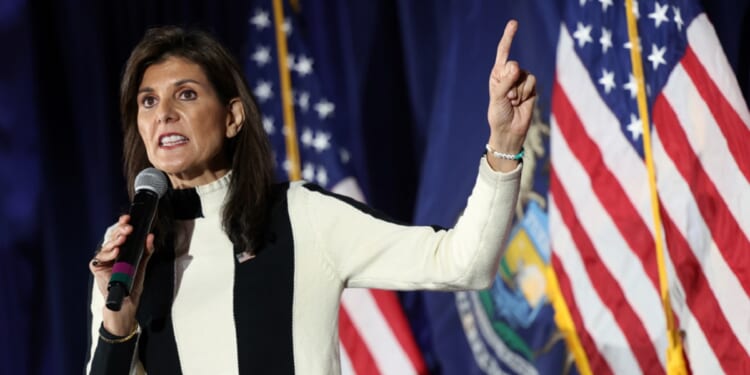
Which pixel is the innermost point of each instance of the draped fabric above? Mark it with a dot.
(414, 74)
(20, 172)
(601, 223)
(510, 328)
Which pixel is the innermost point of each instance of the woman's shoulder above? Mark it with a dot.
(297, 187)
(292, 191)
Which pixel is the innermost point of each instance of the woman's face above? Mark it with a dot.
(183, 124)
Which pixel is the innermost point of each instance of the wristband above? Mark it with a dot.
(501, 155)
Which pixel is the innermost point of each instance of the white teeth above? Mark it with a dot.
(172, 140)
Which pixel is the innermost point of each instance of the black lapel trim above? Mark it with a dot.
(185, 204)
(157, 348)
(263, 295)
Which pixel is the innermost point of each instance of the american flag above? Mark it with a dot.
(375, 337)
(603, 215)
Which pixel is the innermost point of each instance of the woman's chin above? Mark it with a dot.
(171, 167)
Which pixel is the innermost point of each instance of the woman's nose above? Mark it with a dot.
(165, 113)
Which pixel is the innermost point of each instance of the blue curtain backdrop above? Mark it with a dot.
(409, 72)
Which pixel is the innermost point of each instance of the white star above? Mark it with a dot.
(631, 86)
(344, 155)
(628, 45)
(605, 40)
(635, 127)
(657, 56)
(308, 172)
(263, 91)
(307, 137)
(304, 65)
(582, 2)
(636, 12)
(605, 4)
(303, 101)
(287, 26)
(268, 124)
(607, 80)
(262, 55)
(287, 165)
(322, 176)
(659, 14)
(677, 18)
(260, 20)
(582, 34)
(324, 108)
(321, 141)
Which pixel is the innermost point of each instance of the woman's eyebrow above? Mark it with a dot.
(178, 83)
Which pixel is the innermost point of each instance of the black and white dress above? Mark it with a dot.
(204, 311)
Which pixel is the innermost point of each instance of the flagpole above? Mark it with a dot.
(675, 360)
(564, 321)
(290, 129)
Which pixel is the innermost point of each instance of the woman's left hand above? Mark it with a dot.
(512, 99)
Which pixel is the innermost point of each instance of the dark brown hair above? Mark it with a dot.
(249, 151)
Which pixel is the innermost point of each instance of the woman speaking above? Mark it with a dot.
(244, 276)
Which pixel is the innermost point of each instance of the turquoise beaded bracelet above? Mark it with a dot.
(501, 155)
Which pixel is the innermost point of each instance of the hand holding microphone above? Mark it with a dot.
(118, 267)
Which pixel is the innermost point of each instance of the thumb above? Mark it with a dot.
(503, 78)
(149, 245)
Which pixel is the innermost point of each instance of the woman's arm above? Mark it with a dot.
(114, 334)
(109, 354)
(367, 252)
(363, 249)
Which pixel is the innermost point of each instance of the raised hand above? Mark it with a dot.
(512, 99)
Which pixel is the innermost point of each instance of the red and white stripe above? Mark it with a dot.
(375, 337)
(375, 334)
(602, 227)
(701, 123)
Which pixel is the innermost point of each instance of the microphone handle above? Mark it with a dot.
(123, 271)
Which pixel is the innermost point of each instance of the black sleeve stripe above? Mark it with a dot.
(113, 358)
(361, 206)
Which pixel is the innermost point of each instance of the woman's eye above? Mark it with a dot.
(148, 101)
(188, 95)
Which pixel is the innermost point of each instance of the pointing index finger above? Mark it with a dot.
(503, 48)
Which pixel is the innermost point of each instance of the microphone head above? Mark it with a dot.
(152, 179)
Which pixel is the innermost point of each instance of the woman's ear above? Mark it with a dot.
(235, 117)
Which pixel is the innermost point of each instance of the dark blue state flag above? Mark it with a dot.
(509, 328)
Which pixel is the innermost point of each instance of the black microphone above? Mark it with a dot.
(150, 185)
